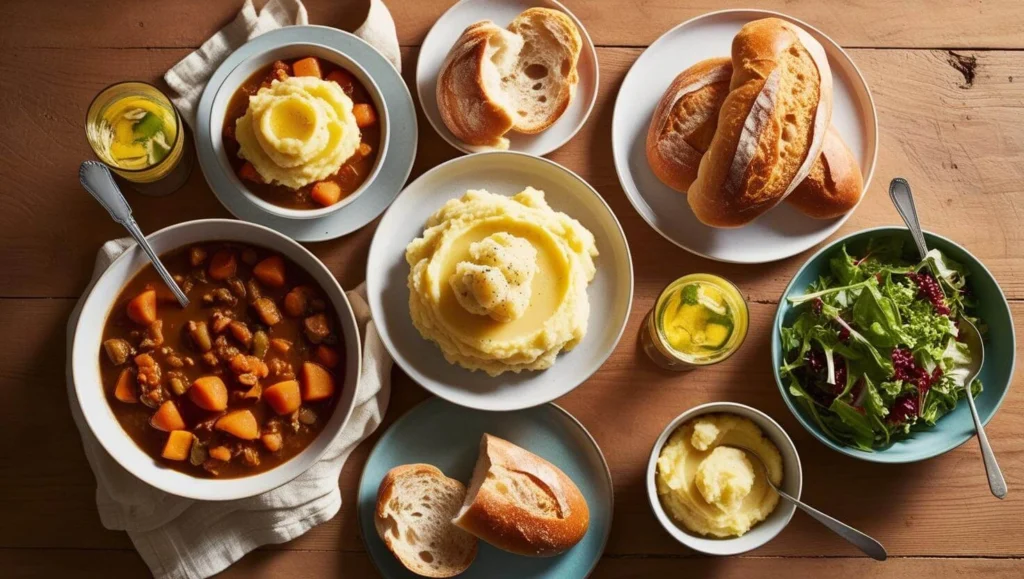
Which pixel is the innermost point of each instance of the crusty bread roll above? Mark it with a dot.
(496, 80)
(522, 503)
(834, 185)
(685, 120)
(415, 506)
(771, 126)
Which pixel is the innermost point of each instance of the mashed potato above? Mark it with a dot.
(298, 131)
(500, 283)
(713, 489)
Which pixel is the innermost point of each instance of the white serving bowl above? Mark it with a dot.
(85, 359)
(225, 90)
(761, 533)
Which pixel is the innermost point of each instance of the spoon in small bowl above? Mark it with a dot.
(903, 199)
(99, 182)
(870, 546)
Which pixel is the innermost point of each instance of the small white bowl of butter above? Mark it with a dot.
(711, 497)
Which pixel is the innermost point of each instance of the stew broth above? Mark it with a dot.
(258, 337)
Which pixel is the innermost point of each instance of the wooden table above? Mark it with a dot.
(948, 82)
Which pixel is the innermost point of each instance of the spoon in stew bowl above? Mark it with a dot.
(99, 182)
(870, 546)
(899, 192)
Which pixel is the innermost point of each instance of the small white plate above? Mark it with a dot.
(779, 233)
(447, 30)
(389, 177)
(505, 173)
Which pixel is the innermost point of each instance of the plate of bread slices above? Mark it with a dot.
(744, 136)
(516, 75)
(450, 491)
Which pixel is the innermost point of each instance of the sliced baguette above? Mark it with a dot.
(496, 80)
(415, 506)
(771, 126)
(522, 503)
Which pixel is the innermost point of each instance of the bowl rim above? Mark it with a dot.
(683, 536)
(188, 486)
(379, 102)
(878, 456)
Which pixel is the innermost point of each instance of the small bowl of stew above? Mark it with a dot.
(234, 395)
(308, 62)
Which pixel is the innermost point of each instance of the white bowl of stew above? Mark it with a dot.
(248, 407)
(352, 178)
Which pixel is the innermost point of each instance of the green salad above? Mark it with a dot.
(873, 354)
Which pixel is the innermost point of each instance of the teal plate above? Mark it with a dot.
(955, 428)
(448, 436)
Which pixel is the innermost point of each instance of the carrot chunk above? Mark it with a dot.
(344, 79)
(283, 397)
(272, 441)
(308, 66)
(223, 265)
(270, 271)
(365, 115)
(221, 453)
(167, 418)
(240, 424)
(326, 193)
(280, 345)
(142, 308)
(248, 172)
(317, 382)
(209, 393)
(327, 356)
(178, 445)
(125, 389)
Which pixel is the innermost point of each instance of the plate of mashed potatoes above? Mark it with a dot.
(500, 280)
(708, 493)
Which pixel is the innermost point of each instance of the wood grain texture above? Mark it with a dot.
(951, 122)
(857, 23)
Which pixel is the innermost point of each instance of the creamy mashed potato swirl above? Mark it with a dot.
(500, 283)
(711, 488)
(298, 131)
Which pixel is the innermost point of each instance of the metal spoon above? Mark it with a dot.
(98, 181)
(899, 192)
(865, 543)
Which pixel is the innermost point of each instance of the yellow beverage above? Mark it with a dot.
(699, 319)
(135, 129)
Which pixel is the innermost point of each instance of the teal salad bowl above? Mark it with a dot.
(956, 427)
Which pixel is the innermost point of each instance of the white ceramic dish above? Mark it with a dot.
(391, 98)
(447, 30)
(766, 530)
(781, 232)
(95, 406)
(506, 173)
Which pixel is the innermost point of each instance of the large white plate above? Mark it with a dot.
(506, 173)
(783, 231)
(395, 165)
(447, 30)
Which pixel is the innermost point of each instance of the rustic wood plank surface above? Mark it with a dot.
(948, 81)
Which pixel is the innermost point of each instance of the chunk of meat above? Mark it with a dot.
(196, 256)
(117, 350)
(154, 336)
(267, 310)
(317, 328)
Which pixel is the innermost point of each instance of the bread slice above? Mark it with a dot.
(834, 185)
(519, 502)
(496, 80)
(771, 126)
(415, 506)
(685, 120)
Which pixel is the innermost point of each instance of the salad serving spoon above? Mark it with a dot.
(899, 192)
(99, 182)
(865, 543)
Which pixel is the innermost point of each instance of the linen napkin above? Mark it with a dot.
(186, 539)
(188, 78)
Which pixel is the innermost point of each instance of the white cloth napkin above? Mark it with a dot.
(187, 79)
(186, 539)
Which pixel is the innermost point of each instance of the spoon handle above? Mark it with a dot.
(996, 482)
(865, 543)
(903, 199)
(98, 181)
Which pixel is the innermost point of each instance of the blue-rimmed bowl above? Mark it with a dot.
(956, 427)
